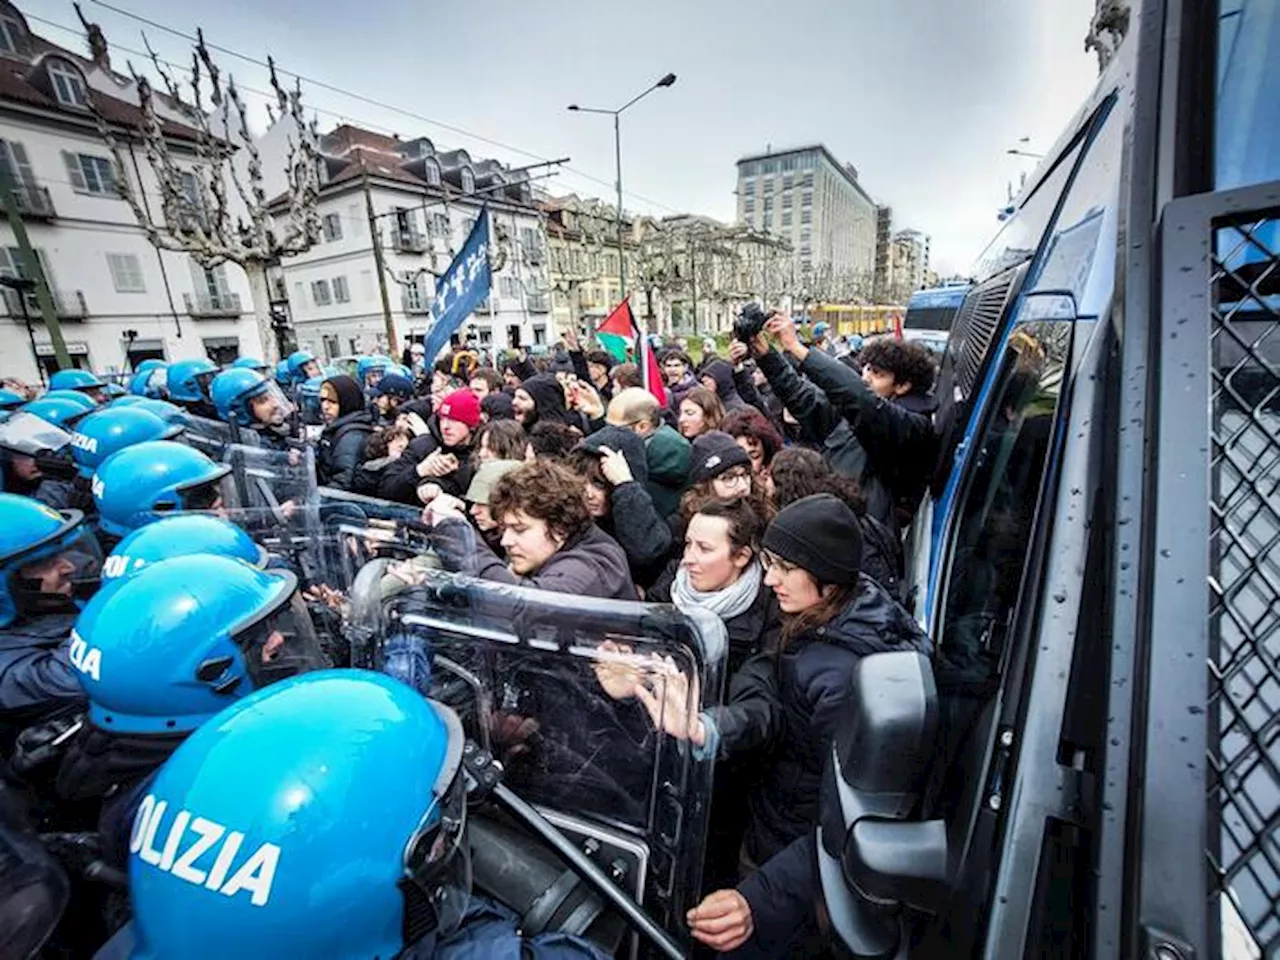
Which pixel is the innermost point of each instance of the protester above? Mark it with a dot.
(666, 452)
(391, 391)
(718, 377)
(484, 381)
(877, 428)
(478, 495)
(626, 375)
(612, 464)
(700, 412)
(677, 373)
(340, 449)
(756, 435)
(440, 455)
(383, 448)
(497, 406)
(547, 533)
(542, 399)
(549, 440)
(500, 440)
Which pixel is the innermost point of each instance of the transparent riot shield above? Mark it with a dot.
(541, 681)
(263, 478)
(210, 437)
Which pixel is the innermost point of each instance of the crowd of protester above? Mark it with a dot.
(771, 489)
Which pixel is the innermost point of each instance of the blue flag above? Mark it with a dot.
(462, 288)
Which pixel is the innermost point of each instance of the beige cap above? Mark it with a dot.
(488, 475)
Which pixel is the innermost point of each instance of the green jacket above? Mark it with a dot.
(667, 454)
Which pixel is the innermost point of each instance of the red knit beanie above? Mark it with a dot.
(461, 405)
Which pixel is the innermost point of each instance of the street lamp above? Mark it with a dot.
(666, 81)
(1023, 153)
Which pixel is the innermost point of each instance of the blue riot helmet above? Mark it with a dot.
(115, 392)
(34, 448)
(60, 411)
(820, 330)
(191, 534)
(185, 378)
(146, 366)
(183, 638)
(9, 400)
(309, 400)
(302, 366)
(249, 398)
(249, 363)
(336, 767)
(166, 411)
(127, 400)
(401, 369)
(369, 370)
(282, 374)
(50, 561)
(142, 483)
(84, 381)
(152, 382)
(103, 432)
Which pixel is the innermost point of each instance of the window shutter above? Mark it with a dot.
(74, 173)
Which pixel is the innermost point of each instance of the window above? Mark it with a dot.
(1246, 149)
(221, 350)
(786, 218)
(997, 508)
(749, 187)
(91, 174)
(486, 336)
(10, 35)
(769, 166)
(806, 215)
(440, 224)
(788, 180)
(431, 172)
(468, 180)
(509, 287)
(14, 162)
(331, 345)
(331, 225)
(786, 199)
(126, 272)
(320, 293)
(68, 85)
(768, 187)
(340, 291)
(748, 206)
(806, 198)
(414, 301)
(468, 224)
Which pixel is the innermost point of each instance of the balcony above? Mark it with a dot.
(415, 304)
(68, 304)
(205, 305)
(33, 201)
(539, 303)
(408, 241)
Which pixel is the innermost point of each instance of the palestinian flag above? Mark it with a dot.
(616, 332)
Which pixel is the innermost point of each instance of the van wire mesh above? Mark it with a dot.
(1244, 583)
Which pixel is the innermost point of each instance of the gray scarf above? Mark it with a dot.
(725, 604)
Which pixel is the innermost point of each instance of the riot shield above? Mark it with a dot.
(210, 437)
(534, 676)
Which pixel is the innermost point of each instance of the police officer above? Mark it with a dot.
(248, 400)
(302, 366)
(35, 460)
(50, 564)
(188, 384)
(105, 432)
(167, 645)
(83, 381)
(142, 483)
(150, 379)
(333, 809)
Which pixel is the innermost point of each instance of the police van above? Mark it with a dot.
(1097, 560)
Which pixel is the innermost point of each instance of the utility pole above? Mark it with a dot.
(379, 266)
(622, 258)
(48, 309)
(693, 279)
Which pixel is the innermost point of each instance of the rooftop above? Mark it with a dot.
(846, 170)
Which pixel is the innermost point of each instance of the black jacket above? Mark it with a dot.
(722, 373)
(888, 446)
(812, 682)
(340, 450)
(400, 478)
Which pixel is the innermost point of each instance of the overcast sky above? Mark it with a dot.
(923, 97)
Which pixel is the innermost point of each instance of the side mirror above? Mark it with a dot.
(879, 763)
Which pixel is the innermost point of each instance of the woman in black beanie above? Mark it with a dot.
(832, 617)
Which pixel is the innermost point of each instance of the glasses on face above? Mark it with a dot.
(735, 475)
(773, 562)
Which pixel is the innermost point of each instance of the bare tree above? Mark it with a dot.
(215, 208)
(1108, 29)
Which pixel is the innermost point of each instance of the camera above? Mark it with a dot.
(750, 323)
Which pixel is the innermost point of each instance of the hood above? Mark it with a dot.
(925, 404)
(722, 373)
(498, 406)
(351, 398)
(625, 442)
(873, 622)
(601, 551)
(548, 397)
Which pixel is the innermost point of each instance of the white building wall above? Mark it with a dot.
(76, 242)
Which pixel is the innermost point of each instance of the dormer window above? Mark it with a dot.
(431, 171)
(10, 35)
(68, 85)
(468, 180)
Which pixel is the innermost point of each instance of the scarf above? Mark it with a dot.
(726, 604)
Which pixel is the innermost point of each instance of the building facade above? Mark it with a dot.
(582, 242)
(816, 204)
(420, 203)
(119, 300)
(909, 264)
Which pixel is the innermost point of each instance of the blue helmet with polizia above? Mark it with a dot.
(191, 534)
(247, 397)
(302, 365)
(85, 381)
(50, 562)
(144, 482)
(188, 379)
(166, 411)
(339, 766)
(184, 638)
(11, 400)
(250, 363)
(60, 411)
(105, 432)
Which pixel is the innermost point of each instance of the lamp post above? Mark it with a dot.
(1024, 153)
(666, 81)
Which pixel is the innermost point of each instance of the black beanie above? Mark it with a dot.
(818, 533)
(625, 442)
(350, 396)
(548, 397)
(713, 453)
(498, 406)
